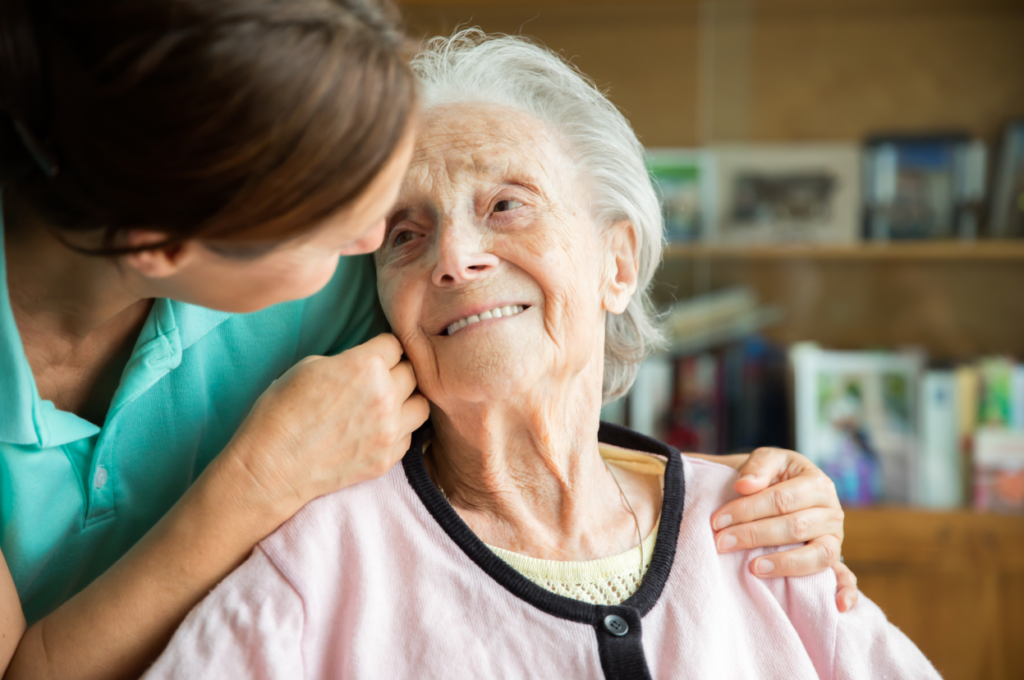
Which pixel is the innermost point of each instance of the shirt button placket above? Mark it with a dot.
(101, 486)
(616, 625)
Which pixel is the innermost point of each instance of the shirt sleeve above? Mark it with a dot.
(858, 645)
(868, 646)
(249, 627)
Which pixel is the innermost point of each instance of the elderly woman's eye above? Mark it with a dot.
(507, 204)
(403, 237)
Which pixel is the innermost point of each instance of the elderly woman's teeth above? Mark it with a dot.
(496, 313)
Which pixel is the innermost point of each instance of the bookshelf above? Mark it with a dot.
(689, 73)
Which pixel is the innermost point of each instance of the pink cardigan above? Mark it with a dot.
(383, 580)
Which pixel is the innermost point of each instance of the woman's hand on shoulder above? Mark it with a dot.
(787, 499)
(328, 423)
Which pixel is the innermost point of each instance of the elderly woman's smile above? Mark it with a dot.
(492, 255)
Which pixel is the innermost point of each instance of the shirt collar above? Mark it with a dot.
(30, 421)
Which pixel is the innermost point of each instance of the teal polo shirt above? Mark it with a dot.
(74, 497)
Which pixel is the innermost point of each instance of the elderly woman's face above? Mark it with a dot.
(492, 273)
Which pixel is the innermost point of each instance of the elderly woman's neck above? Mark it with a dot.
(528, 476)
(493, 447)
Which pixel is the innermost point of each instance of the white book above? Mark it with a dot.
(940, 470)
(651, 396)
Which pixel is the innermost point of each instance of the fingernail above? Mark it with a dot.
(746, 477)
(847, 603)
(722, 521)
(764, 567)
(725, 542)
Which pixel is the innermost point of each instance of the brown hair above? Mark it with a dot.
(228, 120)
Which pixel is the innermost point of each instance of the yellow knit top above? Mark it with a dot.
(609, 580)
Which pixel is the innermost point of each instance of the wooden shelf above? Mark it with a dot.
(898, 250)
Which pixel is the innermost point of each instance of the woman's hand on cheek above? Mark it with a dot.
(787, 500)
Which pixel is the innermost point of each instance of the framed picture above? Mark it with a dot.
(923, 186)
(682, 178)
(856, 418)
(1007, 212)
(787, 193)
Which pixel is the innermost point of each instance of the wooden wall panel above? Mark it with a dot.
(845, 74)
(647, 61)
(814, 70)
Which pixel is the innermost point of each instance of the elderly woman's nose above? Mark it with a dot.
(461, 257)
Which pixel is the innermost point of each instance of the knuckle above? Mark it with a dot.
(381, 406)
(839, 517)
(828, 552)
(801, 528)
(376, 365)
(784, 501)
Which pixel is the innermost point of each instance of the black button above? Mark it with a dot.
(616, 625)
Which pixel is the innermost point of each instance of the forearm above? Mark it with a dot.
(12, 620)
(121, 621)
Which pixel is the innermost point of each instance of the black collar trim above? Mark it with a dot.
(643, 600)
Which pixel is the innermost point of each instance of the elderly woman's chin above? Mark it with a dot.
(494, 362)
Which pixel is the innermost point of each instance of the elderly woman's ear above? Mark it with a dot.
(621, 265)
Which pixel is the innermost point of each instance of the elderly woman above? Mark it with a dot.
(521, 537)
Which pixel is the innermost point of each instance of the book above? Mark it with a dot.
(1007, 211)
(695, 413)
(999, 470)
(994, 397)
(940, 482)
(1017, 398)
(651, 396)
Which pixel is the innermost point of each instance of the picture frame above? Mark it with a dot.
(1007, 208)
(771, 193)
(683, 179)
(923, 186)
(857, 419)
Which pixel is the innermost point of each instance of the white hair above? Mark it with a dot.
(471, 66)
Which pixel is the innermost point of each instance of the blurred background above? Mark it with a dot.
(843, 187)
